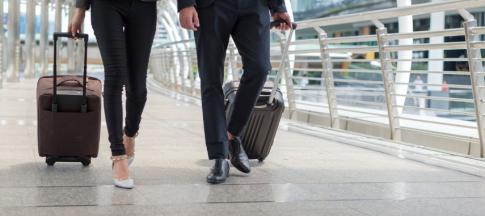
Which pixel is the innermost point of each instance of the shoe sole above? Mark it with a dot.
(239, 167)
(128, 188)
(215, 181)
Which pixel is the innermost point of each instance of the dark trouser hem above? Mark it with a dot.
(130, 133)
(217, 150)
(118, 152)
(234, 132)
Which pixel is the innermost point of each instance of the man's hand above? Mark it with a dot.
(189, 19)
(283, 16)
(76, 21)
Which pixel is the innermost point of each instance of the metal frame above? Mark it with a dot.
(327, 72)
(329, 50)
(388, 79)
(476, 74)
(175, 61)
(288, 76)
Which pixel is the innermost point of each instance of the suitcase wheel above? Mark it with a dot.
(86, 161)
(261, 160)
(50, 161)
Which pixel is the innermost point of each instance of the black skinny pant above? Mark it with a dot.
(124, 30)
(247, 21)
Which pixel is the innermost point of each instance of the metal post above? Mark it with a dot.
(2, 44)
(164, 67)
(181, 62)
(58, 24)
(233, 61)
(288, 78)
(477, 78)
(388, 79)
(58, 15)
(171, 68)
(168, 68)
(165, 70)
(44, 39)
(13, 41)
(29, 39)
(191, 71)
(327, 73)
(157, 67)
(71, 46)
(174, 65)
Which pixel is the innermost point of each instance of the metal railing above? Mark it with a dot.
(28, 57)
(357, 77)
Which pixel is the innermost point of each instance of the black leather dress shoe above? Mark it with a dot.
(219, 172)
(239, 158)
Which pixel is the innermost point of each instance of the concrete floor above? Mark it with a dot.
(303, 175)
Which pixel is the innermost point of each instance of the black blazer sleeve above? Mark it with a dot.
(181, 4)
(276, 6)
(83, 4)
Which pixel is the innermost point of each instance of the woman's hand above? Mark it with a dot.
(76, 21)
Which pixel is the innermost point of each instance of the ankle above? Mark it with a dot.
(131, 137)
(118, 158)
(230, 136)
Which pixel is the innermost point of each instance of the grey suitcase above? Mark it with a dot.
(260, 131)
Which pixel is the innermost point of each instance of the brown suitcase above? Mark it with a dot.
(69, 114)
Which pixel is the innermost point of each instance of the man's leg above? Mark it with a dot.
(216, 22)
(251, 35)
(252, 38)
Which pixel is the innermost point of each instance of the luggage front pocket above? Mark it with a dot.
(68, 133)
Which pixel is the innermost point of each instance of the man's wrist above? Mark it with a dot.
(279, 9)
(186, 4)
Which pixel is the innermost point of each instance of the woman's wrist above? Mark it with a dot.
(80, 11)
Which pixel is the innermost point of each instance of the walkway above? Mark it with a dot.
(304, 175)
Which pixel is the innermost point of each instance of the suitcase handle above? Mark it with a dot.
(57, 35)
(278, 22)
(79, 83)
(284, 60)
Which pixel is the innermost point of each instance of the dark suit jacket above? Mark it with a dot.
(274, 5)
(86, 3)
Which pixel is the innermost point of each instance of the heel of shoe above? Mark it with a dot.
(131, 156)
(131, 159)
(128, 183)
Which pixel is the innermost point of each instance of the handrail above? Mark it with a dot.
(425, 8)
(348, 77)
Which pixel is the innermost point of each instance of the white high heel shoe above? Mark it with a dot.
(128, 183)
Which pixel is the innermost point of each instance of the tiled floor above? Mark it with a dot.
(303, 176)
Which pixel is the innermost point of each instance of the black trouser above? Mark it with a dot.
(247, 21)
(124, 30)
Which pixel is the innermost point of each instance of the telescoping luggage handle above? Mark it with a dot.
(284, 60)
(58, 35)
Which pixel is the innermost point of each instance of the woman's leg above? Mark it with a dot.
(108, 24)
(140, 30)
